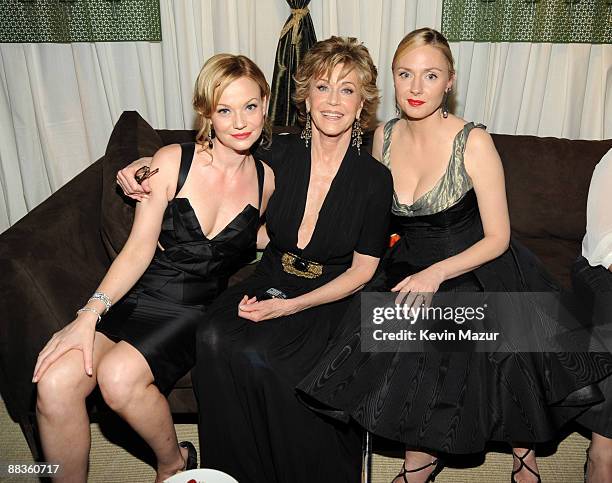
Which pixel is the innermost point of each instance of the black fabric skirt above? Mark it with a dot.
(454, 402)
(163, 331)
(251, 425)
(593, 286)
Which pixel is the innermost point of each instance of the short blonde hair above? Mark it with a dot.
(425, 36)
(321, 60)
(216, 74)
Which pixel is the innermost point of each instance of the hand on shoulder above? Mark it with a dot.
(126, 177)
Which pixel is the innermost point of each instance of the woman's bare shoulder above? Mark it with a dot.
(170, 153)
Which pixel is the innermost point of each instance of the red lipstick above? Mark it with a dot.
(415, 102)
(242, 135)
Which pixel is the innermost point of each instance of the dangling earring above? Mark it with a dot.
(445, 104)
(307, 131)
(209, 137)
(397, 111)
(356, 135)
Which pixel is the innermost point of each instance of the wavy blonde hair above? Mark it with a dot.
(321, 60)
(216, 74)
(425, 36)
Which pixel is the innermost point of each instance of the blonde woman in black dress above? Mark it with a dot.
(197, 225)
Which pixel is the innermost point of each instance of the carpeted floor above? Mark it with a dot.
(110, 463)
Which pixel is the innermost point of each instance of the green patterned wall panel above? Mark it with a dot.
(79, 20)
(559, 21)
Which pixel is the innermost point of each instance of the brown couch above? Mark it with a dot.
(54, 257)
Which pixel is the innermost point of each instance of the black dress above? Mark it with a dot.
(593, 287)
(160, 314)
(251, 424)
(453, 402)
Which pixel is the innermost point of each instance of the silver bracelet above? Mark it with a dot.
(90, 309)
(102, 297)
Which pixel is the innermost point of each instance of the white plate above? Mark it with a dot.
(201, 475)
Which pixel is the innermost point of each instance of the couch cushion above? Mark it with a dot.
(547, 180)
(131, 139)
(172, 136)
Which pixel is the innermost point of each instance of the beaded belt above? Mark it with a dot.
(300, 267)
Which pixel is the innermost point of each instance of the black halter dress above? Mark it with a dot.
(159, 316)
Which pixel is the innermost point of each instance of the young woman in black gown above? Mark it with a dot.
(452, 218)
(327, 223)
(196, 227)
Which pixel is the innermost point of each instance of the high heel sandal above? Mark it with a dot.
(191, 462)
(439, 466)
(523, 465)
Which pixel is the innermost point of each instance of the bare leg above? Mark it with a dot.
(126, 383)
(414, 460)
(529, 461)
(61, 412)
(599, 458)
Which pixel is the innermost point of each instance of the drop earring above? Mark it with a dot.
(209, 137)
(445, 104)
(356, 135)
(307, 131)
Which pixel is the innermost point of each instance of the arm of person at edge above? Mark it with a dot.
(126, 269)
(597, 243)
(484, 166)
(352, 280)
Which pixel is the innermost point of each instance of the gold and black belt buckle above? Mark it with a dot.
(300, 267)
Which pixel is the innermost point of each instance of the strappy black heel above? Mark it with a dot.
(523, 465)
(439, 466)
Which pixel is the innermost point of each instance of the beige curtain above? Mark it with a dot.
(58, 102)
(562, 90)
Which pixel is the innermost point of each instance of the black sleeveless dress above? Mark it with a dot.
(159, 316)
(251, 424)
(453, 402)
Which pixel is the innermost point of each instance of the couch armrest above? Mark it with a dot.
(50, 261)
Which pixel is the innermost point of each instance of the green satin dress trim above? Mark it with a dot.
(448, 190)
